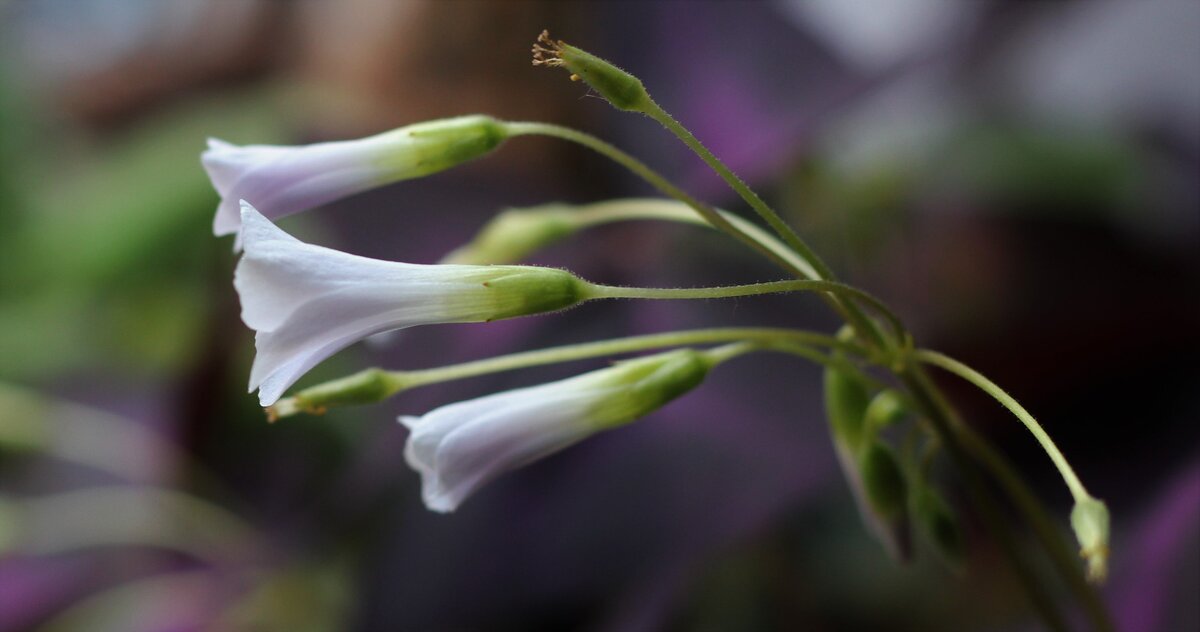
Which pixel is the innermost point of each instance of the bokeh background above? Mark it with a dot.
(1020, 180)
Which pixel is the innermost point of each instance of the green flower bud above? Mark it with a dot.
(845, 406)
(940, 526)
(884, 410)
(364, 387)
(514, 235)
(883, 481)
(623, 90)
(1090, 521)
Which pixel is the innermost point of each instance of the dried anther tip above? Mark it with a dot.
(548, 55)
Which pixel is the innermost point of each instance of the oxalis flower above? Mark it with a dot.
(459, 447)
(305, 302)
(284, 180)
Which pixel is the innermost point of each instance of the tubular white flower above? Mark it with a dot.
(306, 302)
(283, 180)
(459, 447)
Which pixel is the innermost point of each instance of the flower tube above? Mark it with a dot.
(282, 180)
(461, 446)
(306, 302)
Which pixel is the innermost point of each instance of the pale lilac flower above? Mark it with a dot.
(282, 180)
(307, 302)
(459, 447)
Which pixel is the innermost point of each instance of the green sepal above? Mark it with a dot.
(527, 290)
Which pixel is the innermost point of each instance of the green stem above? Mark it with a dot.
(937, 411)
(588, 215)
(656, 112)
(771, 287)
(656, 180)
(812, 268)
(1061, 555)
(567, 353)
(372, 385)
(971, 375)
(851, 312)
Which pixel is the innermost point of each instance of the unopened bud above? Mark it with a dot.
(364, 387)
(940, 526)
(845, 406)
(883, 481)
(514, 235)
(1090, 521)
(884, 410)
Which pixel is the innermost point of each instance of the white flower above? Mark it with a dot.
(306, 302)
(284, 180)
(459, 447)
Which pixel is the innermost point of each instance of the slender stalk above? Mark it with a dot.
(971, 375)
(555, 355)
(754, 289)
(656, 180)
(656, 112)
(937, 412)
(373, 385)
(1061, 555)
(673, 211)
(810, 270)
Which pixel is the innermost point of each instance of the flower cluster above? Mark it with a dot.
(306, 302)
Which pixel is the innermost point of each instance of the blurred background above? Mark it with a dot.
(1019, 180)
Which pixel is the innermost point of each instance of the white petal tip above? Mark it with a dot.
(440, 504)
(248, 210)
(409, 421)
(217, 143)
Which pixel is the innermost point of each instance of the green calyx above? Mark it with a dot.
(527, 290)
(643, 385)
(432, 146)
(623, 90)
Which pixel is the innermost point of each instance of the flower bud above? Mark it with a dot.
(883, 481)
(365, 387)
(1090, 521)
(885, 409)
(459, 447)
(284, 180)
(940, 526)
(623, 90)
(514, 235)
(845, 406)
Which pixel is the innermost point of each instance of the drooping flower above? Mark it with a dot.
(459, 447)
(307, 302)
(281, 180)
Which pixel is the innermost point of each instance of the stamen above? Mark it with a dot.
(549, 55)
